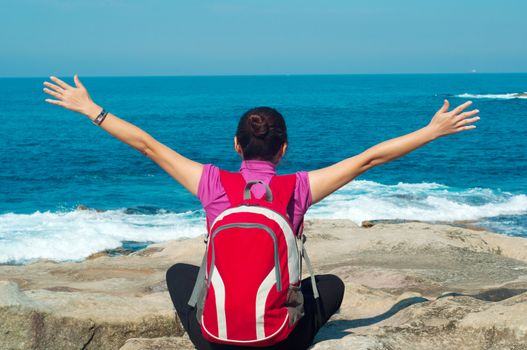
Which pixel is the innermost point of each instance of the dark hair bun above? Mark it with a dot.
(259, 126)
(261, 133)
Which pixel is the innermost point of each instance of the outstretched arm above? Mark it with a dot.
(187, 172)
(327, 180)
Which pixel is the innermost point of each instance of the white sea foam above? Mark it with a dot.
(77, 234)
(508, 96)
(364, 200)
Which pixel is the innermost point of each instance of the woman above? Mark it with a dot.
(261, 141)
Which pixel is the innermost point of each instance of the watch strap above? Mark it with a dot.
(100, 118)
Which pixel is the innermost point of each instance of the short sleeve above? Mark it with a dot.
(302, 196)
(209, 187)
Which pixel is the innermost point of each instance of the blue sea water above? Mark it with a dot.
(54, 160)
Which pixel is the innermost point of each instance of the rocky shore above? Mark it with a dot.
(409, 285)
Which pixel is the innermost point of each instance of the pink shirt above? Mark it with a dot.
(214, 199)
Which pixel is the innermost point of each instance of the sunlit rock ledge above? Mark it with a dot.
(409, 285)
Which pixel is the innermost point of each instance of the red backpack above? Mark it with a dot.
(247, 292)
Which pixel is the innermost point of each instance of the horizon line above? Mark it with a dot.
(258, 75)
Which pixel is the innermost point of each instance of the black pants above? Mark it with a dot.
(180, 280)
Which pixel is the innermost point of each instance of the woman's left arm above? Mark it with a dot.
(186, 171)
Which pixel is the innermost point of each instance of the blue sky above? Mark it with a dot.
(170, 37)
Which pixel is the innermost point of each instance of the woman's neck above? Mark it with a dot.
(265, 166)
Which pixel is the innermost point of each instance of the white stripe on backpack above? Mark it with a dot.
(261, 298)
(219, 293)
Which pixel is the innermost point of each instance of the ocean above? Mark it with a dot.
(53, 160)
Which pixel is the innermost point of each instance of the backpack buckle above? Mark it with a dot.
(247, 190)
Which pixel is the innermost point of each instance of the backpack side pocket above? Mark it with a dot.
(294, 304)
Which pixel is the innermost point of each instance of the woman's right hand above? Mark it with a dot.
(75, 99)
(445, 123)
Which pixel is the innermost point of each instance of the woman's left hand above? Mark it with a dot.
(447, 122)
(76, 98)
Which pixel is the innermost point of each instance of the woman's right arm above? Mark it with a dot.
(186, 171)
(324, 181)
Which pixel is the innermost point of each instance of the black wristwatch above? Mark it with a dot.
(100, 118)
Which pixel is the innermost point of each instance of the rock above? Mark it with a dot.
(448, 322)
(367, 223)
(65, 320)
(97, 255)
(164, 343)
(11, 295)
(350, 342)
(409, 285)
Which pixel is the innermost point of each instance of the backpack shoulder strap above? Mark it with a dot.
(283, 188)
(233, 183)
